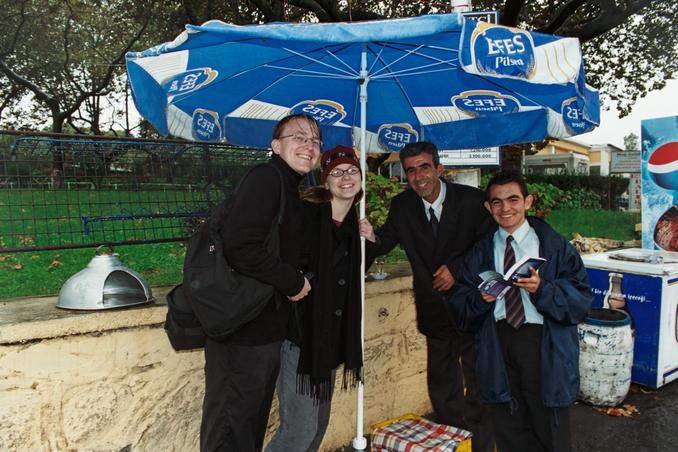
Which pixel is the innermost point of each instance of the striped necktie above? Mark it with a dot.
(513, 303)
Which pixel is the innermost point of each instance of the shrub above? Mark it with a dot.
(580, 198)
(546, 198)
(380, 191)
(603, 186)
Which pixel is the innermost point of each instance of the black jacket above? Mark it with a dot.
(254, 209)
(464, 220)
(563, 298)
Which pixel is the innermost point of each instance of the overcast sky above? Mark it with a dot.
(612, 130)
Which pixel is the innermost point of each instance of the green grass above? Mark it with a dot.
(56, 217)
(607, 224)
(44, 272)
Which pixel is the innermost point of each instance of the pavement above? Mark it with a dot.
(651, 424)
(654, 428)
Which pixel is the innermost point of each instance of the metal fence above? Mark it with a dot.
(70, 191)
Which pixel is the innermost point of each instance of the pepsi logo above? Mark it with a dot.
(189, 81)
(663, 165)
(394, 137)
(326, 112)
(484, 103)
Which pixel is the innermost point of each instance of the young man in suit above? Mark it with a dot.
(528, 348)
(436, 223)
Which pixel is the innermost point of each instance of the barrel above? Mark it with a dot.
(605, 357)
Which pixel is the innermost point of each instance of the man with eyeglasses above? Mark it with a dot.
(436, 223)
(240, 373)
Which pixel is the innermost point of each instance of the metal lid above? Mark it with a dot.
(104, 284)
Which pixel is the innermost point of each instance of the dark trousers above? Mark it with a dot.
(451, 365)
(525, 424)
(239, 385)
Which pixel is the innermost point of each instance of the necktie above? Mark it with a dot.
(513, 303)
(434, 222)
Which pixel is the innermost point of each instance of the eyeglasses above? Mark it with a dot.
(352, 171)
(302, 139)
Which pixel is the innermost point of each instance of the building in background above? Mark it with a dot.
(559, 156)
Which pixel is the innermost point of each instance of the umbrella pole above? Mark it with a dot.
(360, 442)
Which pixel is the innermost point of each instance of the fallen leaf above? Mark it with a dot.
(17, 266)
(621, 411)
(54, 264)
(26, 240)
(35, 257)
(5, 257)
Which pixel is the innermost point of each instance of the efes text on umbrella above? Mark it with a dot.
(394, 137)
(503, 51)
(326, 112)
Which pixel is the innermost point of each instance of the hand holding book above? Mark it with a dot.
(496, 285)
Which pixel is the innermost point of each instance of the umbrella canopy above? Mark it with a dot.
(439, 78)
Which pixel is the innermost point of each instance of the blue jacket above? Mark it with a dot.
(563, 298)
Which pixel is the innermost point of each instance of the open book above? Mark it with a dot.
(497, 285)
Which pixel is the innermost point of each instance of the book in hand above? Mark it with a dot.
(497, 285)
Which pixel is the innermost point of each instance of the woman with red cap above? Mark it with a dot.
(325, 332)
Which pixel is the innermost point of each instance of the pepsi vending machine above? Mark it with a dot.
(643, 283)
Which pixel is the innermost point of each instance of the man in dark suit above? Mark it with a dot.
(436, 223)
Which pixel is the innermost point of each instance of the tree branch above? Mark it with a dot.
(106, 79)
(191, 15)
(67, 53)
(13, 93)
(319, 8)
(561, 15)
(511, 12)
(19, 80)
(266, 10)
(15, 38)
(610, 15)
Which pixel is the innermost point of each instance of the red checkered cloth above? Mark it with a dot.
(417, 435)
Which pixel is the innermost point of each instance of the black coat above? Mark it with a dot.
(464, 220)
(254, 209)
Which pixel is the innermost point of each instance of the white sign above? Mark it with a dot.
(491, 17)
(470, 157)
(625, 162)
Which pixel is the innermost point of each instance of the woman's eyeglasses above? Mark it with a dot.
(302, 139)
(352, 171)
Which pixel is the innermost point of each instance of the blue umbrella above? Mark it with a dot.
(436, 78)
(460, 84)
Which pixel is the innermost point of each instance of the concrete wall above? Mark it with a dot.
(109, 380)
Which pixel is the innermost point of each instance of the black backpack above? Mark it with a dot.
(215, 300)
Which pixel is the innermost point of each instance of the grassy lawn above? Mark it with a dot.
(607, 224)
(63, 217)
(44, 272)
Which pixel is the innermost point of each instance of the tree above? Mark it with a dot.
(631, 142)
(62, 55)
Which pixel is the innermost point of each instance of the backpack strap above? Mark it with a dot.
(221, 211)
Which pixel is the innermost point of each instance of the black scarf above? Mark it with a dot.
(317, 314)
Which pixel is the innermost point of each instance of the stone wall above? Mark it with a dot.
(109, 381)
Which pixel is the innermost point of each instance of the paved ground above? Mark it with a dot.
(653, 429)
